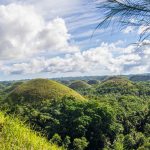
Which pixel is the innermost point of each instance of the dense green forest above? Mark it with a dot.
(111, 113)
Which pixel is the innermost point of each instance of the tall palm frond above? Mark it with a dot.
(127, 13)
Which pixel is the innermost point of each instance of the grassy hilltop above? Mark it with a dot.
(77, 85)
(14, 135)
(41, 89)
(117, 85)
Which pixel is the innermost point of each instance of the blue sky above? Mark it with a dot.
(53, 39)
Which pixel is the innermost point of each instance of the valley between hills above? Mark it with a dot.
(75, 114)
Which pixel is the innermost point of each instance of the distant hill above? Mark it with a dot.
(86, 78)
(66, 80)
(137, 78)
(11, 87)
(92, 82)
(117, 85)
(42, 89)
(132, 77)
(77, 85)
(14, 135)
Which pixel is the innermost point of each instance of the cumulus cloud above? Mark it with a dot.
(24, 32)
(31, 43)
(49, 8)
(128, 30)
(107, 58)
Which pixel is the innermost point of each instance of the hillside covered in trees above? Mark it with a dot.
(75, 75)
(113, 113)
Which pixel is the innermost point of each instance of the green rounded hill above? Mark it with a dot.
(93, 82)
(117, 85)
(42, 89)
(77, 85)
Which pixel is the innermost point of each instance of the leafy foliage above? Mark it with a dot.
(116, 116)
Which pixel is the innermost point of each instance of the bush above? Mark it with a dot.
(80, 143)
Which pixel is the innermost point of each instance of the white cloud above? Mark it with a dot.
(50, 8)
(128, 30)
(32, 42)
(24, 32)
(107, 58)
(55, 7)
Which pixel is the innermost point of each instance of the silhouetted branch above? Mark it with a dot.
(127, 13)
